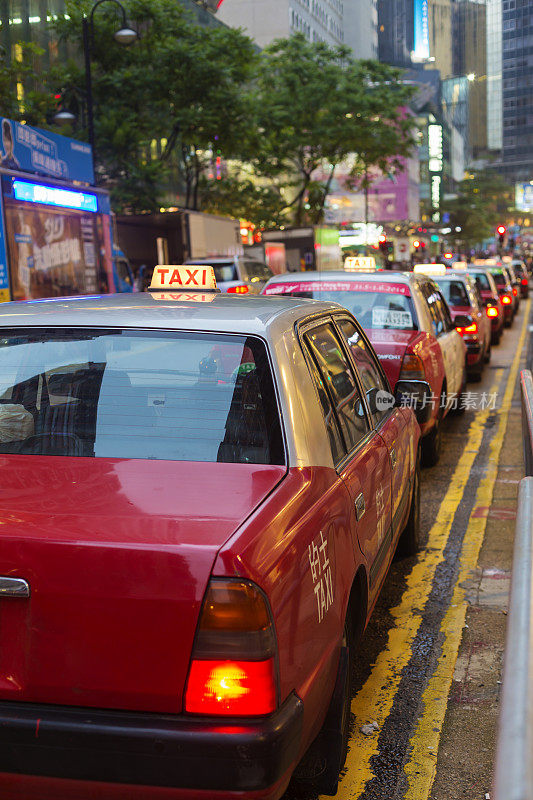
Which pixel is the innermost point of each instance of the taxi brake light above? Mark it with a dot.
(469, 329)
(492, 311)
(506, 300)
(233, 666)
(525, 281)
(231, 688)
(241, 289)
(515, 291)
(412, 368)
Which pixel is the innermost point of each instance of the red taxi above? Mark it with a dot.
(491, 300)
(469, 316)
(409, 326)
(201, 497)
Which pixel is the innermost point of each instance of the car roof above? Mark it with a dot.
(213, 260)
(253, 314)
(344, 275)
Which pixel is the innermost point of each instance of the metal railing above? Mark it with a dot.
(513, 778)
(526, 388)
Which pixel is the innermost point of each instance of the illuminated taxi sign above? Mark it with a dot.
(460, 265)
(360, 264)
(184, 297)
(183, 278)
(430, 269)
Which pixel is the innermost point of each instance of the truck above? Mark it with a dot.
(56, 231)
(175, 237)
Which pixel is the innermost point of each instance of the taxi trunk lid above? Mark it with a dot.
(390, 346)
(117, 554)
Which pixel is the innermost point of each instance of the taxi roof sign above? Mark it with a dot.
(360, 264)
(181, 277)
(460, 265)
(430, 269)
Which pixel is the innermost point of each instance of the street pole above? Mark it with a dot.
(366, 209)
(88, 83)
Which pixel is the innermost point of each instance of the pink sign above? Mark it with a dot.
(338, 286)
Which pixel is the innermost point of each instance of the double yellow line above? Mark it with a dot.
(375, 699)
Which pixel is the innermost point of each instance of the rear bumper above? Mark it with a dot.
(151, 749)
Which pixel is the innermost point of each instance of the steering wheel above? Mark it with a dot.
(28, 444)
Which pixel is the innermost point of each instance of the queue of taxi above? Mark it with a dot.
(233, 475)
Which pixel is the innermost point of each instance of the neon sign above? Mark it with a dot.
(54, 196)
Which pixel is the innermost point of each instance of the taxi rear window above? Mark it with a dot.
(388, 307)
(454, 293)
(174, 396)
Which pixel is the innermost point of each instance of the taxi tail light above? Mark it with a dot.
(469, 329)
(412, 368)
(241, 289)
(233, 668)
(506, 300)
(515, 291)
(525, 281)
(492, 312)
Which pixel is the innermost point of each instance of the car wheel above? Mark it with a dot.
(318, 771)
(432, 443)
(409, 542)
(496, 337)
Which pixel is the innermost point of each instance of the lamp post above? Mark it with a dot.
(123, 36)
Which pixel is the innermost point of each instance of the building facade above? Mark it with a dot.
(396, 32)
(336, 22)
(517, 89)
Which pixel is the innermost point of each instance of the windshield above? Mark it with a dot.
(379, 305)
(127, 394)
(454, 293)
(482, 281)
(500, 280)
(256, 271)
(224, 271)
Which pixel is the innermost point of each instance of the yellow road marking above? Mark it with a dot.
(374, 701)
(421, 767)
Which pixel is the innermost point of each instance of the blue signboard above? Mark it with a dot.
(421, 31)
(54, 196)
(28, 149)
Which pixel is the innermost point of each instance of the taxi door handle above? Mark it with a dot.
(14, 587)
(360, 506)
(393, 458)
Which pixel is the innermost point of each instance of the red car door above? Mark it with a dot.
(391, 423)
(365, 468)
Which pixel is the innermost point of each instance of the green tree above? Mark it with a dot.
(180, 85)
(483, 201)
(22, 96)
(316, 106)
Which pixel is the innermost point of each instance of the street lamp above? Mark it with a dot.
(123, 36)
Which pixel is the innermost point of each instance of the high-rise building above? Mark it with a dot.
(517, 89)
(494, 75)
(336, 22)
(470, 65)
(440, 18)
(396, 31)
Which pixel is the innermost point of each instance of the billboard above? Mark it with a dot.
(524, 196)
(27, 149)
(421, 30)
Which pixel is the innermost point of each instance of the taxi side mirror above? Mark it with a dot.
(416, 395)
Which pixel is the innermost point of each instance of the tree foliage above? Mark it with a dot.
(315, 105)
(22, 96)
(180, 84)
(483, 201)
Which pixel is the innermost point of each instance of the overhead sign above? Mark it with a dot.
(435, 148)
(421, 30)
(524, 196)
(28, 149)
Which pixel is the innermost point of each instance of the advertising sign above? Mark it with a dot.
(4, 274)
(421, 30)
(524, 196)
(28, 149)
(54, 252)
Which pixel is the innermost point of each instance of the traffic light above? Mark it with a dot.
(419, 245)
(386, 246)
(501, 233)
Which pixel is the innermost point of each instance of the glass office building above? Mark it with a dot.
(517, 89)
